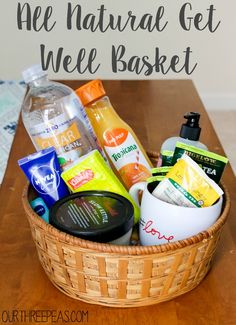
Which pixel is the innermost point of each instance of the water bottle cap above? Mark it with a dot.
(32, 73)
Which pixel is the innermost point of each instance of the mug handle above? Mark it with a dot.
(134, 191)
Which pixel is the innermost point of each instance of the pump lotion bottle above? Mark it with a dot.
(189, 134)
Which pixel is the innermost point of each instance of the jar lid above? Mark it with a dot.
(99, 216)
(91, 91)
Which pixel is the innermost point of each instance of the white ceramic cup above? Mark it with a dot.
(163, 222)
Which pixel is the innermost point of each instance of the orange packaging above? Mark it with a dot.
(124, 151)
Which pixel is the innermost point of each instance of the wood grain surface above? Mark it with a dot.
(154, 109)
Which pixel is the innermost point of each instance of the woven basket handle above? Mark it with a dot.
(134, 191)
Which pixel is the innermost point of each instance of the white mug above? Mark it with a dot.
(162, 222)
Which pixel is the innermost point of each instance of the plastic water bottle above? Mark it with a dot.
(54, 116)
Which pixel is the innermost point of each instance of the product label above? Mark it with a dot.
(68, 139)
(165, 158)
(92, 173)
(45, 179)
(40, 210)
(126, 156)
(152, 179)
(86, 214)
(212, 164)
(61, 133)
(68, 132)
(81, 178)
(187, 185)
(162, 171)
(92, 213)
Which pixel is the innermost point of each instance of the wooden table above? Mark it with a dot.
(155, 111)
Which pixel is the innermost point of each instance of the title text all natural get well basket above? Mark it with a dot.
(123, 276)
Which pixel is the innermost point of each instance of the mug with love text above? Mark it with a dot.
(162, 222)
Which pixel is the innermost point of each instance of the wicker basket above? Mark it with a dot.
(123, 276)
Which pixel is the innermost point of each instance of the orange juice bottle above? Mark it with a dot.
(124, 151)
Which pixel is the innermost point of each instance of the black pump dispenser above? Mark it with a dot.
(191, 130)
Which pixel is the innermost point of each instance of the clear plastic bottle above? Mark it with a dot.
(125, 153)
(54, 116)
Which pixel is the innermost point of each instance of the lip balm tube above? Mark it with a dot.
(43, 171)
(39, 207)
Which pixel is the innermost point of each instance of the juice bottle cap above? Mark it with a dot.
(90, 91)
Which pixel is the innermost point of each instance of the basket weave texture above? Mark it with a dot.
(123, 276)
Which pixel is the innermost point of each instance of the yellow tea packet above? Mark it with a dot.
(91, 173)
(187, 185)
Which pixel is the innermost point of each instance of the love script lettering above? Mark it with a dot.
(154, 232)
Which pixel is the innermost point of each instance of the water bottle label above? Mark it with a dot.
(70, 132)
(66, 140)
(62, 134)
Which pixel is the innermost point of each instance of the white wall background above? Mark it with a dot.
(215, 76)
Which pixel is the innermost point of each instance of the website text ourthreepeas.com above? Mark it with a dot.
(43, 316)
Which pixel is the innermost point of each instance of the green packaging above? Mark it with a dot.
(152, 179)
(90, 172)
(166, 158)
(212, 163)
(160, 171)
(187, 185)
